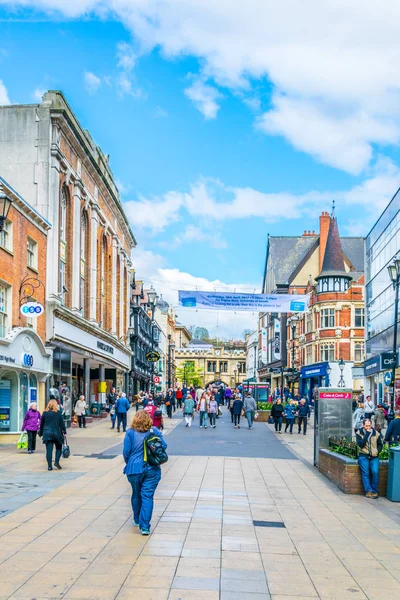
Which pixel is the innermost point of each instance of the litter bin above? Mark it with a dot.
(95, 409)
(393, 484)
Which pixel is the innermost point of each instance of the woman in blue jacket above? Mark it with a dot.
(142, 477)
(290, 414)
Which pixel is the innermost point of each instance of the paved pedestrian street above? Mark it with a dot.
(225, 526)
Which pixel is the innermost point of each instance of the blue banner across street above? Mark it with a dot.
(286, 303)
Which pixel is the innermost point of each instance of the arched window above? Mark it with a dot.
(83, 262)
(63, 244)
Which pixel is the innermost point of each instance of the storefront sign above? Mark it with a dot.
(32, 309)
(27, 360)
(372, 365)
(250, 302)
(105, 347)
(7, 359)
(264, 356)
(335, 394)
(314, 371)
(277, 339)
(153, 356)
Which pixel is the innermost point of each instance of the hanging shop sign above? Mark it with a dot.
(32, 309)
(277, 339)
(153, 356)
(250, 302)
(156, 379)
(264, 354)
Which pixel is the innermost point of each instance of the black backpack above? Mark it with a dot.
(154, 453)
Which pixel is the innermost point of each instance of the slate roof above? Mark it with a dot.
(333, 263)
(287, 253)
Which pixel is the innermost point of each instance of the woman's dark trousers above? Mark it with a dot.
(289, 425)
(278, 423)
(237, 420)
(32, 440)
(49, 452)
(82, 421)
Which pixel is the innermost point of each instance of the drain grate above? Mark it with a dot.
(268, 524)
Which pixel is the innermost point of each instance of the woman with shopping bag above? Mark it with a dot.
(31, 425)
(52, 430)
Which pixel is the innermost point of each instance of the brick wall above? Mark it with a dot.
(345, 472)
(14, 269)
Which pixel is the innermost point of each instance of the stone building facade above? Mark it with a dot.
(25, 362)
(223, 363)
(58, 168)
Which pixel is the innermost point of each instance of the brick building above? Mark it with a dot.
(334, 326)
(25, 362)
(56, 165)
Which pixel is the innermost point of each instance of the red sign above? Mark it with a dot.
(337, 395)
(156, 379)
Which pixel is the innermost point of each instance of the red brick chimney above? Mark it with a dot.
(324, 223)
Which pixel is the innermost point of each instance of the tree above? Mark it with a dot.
(201, 333)
(189, 373)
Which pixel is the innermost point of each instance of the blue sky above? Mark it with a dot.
(224, 122)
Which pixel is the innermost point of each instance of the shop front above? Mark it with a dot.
(25, 365)
(377, 383)
(84, 364)
(312, 376)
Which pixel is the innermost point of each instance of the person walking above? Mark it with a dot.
(193, 393)
(31, 425)
(121, 407)
(237, 408)
(303, 412)
(369, 408)
(142, 477)
(52, 431)
(111, 400)
(174, 400)
(277, 411)
(188, 410)
(168, 403)
(393, 431)
(202, 408)
(212, 411)
(290, 414)
(250, 407)
(358, 416)
(80, 411)
(150, 408)
(157, 419)
(370, 444)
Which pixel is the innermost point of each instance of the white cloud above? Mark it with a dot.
(212, 202)
(4, 99)
(154, 214)
(92, 82)
(151, 268)
(38, 94)
(126, 56)
(193, 234)
(333, 66)
(205, 98)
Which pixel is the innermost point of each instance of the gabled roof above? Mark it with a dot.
(285, 253)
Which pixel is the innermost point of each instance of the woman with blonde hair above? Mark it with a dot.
(52, 430)
(142, 477)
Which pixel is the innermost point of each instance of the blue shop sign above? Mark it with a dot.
(372, 365)
(314, 371)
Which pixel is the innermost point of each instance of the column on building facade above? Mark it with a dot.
(94, 224)
(102, 386)
(114, 285)
(76, 248)
(86, 379)
(122, 263)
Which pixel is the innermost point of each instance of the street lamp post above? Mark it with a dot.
(170, 348)
(152, 302)
(328, 372)
(394, 274)
(234, 372)
(342, 365)
(5, 205)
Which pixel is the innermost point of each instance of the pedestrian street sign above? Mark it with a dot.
(153, 356)
(388, 378)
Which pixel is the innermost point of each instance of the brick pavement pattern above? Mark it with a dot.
(78, 542)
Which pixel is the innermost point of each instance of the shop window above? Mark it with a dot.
(5, 303)
(327, 318)
(359, 319)
(223, 367)
(6, 236)
(32, 252)
(212, 366)
(358, 352)
(327, 352)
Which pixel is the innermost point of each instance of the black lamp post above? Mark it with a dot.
(328, 372)
(394, 274)
(235, 371)
(170, 348)
(5, 205)
(342, 365)
(152, 302)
